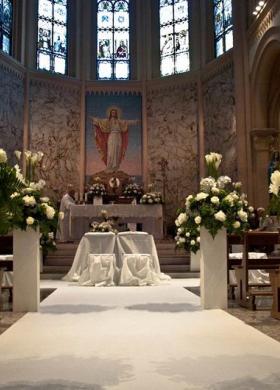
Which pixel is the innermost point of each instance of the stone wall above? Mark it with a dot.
(219, 119)
(11, 111)
(55, 130)
(172, 137)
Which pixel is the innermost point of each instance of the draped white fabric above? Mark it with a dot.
(138, 270)
(101, 271)
(91, 243)
(257, 276)
(133, 252)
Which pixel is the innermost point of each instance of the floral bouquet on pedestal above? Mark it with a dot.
(151, 198)
(22, 203)
(219, 204)
(133, 190)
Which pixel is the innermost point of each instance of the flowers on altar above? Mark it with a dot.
(218, 204)
(97, 189)
(274, 201)
(107, 225)
(134, 190)
(151, 198)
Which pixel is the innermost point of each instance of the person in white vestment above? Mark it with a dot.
(63, 233)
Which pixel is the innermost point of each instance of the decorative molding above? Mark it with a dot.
(263, 22)
(217, 66)
(9, 64)
(171, 83)
(129, 87)
(264, 139)
(65, 83)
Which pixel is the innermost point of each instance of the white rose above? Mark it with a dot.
(201, 196)
(14, 195)
(197, 220)
(243, 215)
(182, 217)
(45, 199)
(215, 190)
(180, 230)
(50, 212)
(198, 228)
(198, 239)
(3, 156)
(182, 240)
(29, 200)
(187, 234)
(61, 215)
(150, 201)
(192, 242)
(220, 216)
(30, 221)
(274, 189)
(275, 178)
(215, 200)
(18, 154)
(236, 225)
(251, 209)
(237, 185)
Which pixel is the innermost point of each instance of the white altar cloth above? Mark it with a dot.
(91, 243)
(120, 245)
(150, 216)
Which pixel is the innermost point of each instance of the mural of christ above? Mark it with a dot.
(111, 137)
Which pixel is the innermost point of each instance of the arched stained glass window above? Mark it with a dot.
(6, 23)
(113, 40)
(174, 37)
(223, 26)
(52, 35)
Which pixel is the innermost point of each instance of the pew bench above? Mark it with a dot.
(247, 293)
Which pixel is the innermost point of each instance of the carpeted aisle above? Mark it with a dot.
(151, 338)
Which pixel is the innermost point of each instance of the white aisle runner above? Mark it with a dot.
(133, 338)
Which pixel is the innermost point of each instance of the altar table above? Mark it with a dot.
(150, 216)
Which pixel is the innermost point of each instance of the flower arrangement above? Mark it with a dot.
(219, 204)
(274, 201)
(151, 198)
(107, 225)
(97, 189)
(22, 203)
(133, 190)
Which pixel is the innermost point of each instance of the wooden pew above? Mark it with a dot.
(248, 293)
(275, 284)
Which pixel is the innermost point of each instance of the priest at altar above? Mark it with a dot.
(67, 200)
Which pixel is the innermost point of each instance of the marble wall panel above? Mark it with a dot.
(11, 111)
(55, 130)
(172, 137)
(219, 119)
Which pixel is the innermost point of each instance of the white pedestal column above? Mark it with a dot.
(195, 261)
(26, 291)
(213, 270)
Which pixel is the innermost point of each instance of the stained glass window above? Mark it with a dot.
(52, 35)
(223, 26)
(174, 37)
(6, 22)
(113, 40)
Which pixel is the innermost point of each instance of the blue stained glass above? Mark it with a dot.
(6, 22)
(113, 59)
(52, 36)
(223, 26)
(174, 36)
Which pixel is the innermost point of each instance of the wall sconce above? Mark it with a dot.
(259, 7)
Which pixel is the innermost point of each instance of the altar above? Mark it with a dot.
(149, 216)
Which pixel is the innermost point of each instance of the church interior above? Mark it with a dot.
(139, 194)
